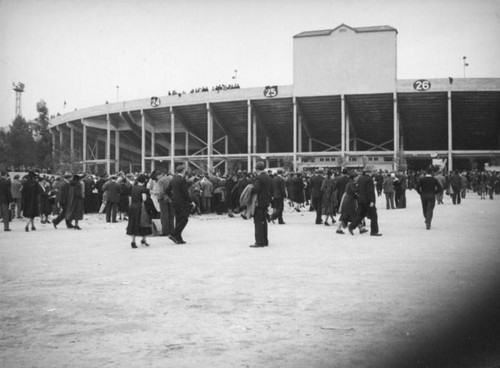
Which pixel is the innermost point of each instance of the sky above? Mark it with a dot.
(87, 52)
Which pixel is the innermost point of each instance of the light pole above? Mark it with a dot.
(465, 63)
(235, 76)
(117, 91)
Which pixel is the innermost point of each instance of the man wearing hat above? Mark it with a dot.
(113, 189)
(316, 182)
(262, 187)
(279, 194)
(62, 199)
(5, 199)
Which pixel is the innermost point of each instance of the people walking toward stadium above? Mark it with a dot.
(428, 187)
(455, 187)
(138, 222)
(5, 199)
(15, 188)
(328, 202)
(316, 182)
(166, 209)
(442, 181)
(279, 195)
(62, 201)
(366, 205)
(31, 200)
(389, 191)
(349, 204)
(76, 194)
(112, 188)
(177, 190)
(262, 188)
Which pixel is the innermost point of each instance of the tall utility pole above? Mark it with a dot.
(19, 89)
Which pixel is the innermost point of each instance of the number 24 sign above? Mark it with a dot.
(422, 85)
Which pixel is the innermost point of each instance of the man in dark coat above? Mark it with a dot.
(114, 190)
(428, 187)
(262, 187)
(178, 191)
(455, 187)
(366, 205)
(279, 195)
(5, 199)
(316, 182)
(166, 209)
(62, 201)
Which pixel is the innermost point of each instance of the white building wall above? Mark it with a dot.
(345, 62)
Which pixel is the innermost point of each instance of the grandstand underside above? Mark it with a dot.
(230, 129)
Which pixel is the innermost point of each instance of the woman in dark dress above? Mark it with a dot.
(349, 205)
(76, 192)
(139, 195)
(123, 205)
(30, 194)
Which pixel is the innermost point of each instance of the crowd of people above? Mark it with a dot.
(160, 203)
(217, 88)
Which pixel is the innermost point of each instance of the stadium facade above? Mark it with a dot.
(346, 107)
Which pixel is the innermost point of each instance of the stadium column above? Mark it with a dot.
(295, 123)
(249, 136)
(342, 128)
(117, 150)
(84, 148)
(71, 141)
(143, 142)
(108, 144)
(153, 151)
(396, 132)
(254, 139)
(61, 138)
(210, 138)
(299, 132)
(172, 140)
(267, 150)
(450, 134)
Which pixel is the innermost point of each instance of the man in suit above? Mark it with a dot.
(428, 187)
(62, 200)
(316, 182)
(262, 188)
(178, 191)
(5, 199)
(366, 205)
(166, 208)
(114, 190)
(279, 195)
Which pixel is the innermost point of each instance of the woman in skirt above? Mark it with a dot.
(138, 225)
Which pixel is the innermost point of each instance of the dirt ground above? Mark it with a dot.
(313, 298)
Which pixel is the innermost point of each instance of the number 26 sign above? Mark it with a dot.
(422, 85)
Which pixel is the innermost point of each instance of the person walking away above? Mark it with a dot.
(464, 185)
(262, 188)
(167, 215)
(177, 190)
(76, 193)
(366, 205)
(62, 201)
(5, 199)
(327, 202)
(316, 181)
(279, 195)
(442, 182)
(389, 191)
(207, 190)
(138, 195)
(397, 190)
(456, 186)
(428, 187)
(113, 191)
(15, 188)
(45, 208)
(403, 179)
(124, 203)
(31, 200)
(379, 182)
(349, 205)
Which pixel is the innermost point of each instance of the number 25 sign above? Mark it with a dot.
(422, 85)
